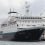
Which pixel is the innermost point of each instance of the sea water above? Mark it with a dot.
(21, 43)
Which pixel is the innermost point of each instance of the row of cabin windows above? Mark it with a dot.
(29, 18)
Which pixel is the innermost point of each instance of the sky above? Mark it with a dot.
(36, 7)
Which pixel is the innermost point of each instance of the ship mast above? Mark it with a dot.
(27, 8)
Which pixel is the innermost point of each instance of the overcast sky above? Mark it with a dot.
(37, 7)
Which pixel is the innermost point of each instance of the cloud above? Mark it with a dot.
(5, 5)
(37, 6)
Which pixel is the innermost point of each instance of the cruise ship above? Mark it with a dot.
(22, 28)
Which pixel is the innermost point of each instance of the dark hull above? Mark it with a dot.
(25, 35)
(28, 35)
